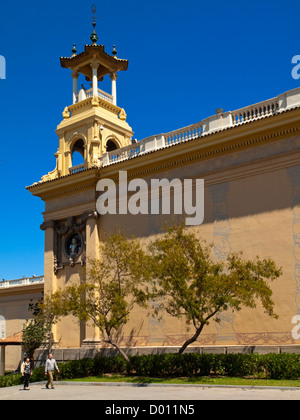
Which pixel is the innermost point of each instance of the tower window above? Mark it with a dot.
(78, 153)
(110, 146)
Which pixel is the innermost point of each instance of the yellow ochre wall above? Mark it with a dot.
(252, 197)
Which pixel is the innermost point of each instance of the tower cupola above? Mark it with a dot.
(94, 63)
(93, 124)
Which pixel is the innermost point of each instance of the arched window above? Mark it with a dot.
(2, 327)
(78, 153)
(111, 145)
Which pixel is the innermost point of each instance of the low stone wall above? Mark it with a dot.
(65, 354)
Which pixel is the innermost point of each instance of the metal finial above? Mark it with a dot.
(74, 51)
(94, 36)
(114, 52)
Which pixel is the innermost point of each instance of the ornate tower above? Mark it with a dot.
(92, 125)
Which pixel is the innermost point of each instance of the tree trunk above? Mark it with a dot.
(109, 341)
(192, 339)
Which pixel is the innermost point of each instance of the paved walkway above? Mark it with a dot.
(153, 392)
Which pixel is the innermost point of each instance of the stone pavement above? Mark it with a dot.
(144, 392)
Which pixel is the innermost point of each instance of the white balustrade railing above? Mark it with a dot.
(77, 168)
(101, 94)
(184, 134)
(25, 281)
(256, 111)
(218, 122)
(124, 153)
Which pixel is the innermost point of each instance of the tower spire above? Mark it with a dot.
(114, 52)
(94, 36)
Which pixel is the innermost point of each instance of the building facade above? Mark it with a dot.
(15, 297)
(249, 160)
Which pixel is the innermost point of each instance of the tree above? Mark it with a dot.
(34, 332)
(110, 288)
(198, 288)
(37, 331)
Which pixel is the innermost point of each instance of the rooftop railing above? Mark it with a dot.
(253, 112)
(25, 281)
(218, 122)
(77, 168)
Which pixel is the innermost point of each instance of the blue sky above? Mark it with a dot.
(186, 59)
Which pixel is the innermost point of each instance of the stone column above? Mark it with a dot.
(50, 260)
(67, 162)
(2, 360)
(114, 77)
(95, 78)
(95, 145)
(92, 245)
(75, 75)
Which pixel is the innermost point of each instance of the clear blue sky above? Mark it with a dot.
(186, 59)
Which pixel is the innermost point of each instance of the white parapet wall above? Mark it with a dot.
(220, 121)
(24, 281)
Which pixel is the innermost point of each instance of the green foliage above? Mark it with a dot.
(191, 284)
(270, 366)
(177, 274)
(282, 366)
(76, 369)
(109, 288)
(37, 331)
(34, 335)
(10, 380)
(171, 365)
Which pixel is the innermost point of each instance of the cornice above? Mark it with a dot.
(22, 290)
(89, 104)
(69, 211)
(95, 114)
(67, 184)
(202, 148)
(217, 144)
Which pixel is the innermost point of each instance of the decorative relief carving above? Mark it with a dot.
(69, 240)
(256, 338)
(169, 340)
(66, 114)
(265, 338)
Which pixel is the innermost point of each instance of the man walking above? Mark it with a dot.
(49, 369)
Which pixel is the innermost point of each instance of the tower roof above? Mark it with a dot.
(81, 63)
